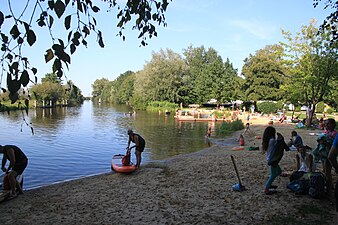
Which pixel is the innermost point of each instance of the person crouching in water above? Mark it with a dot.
(17, 164)
(275, 150)
(139, 145)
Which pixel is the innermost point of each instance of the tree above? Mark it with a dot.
(77, 17)
(209, 77)
(315, 65)
(162, 78)
(329, 25)
(123, 87)
(264, 73)
(98, 87)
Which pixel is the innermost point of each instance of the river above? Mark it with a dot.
(73, 142)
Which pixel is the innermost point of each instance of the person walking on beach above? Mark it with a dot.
(139, 145)
(274, 152)
(17, 164)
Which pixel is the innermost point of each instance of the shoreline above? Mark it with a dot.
(193, 188)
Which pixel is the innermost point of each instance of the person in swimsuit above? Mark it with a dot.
(139, 145)
(17, 164)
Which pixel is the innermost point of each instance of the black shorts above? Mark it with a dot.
(140, 148)
(20, 167)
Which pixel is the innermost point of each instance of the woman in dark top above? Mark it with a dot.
(17, 164)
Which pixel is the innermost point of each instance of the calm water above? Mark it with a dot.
(73, 142)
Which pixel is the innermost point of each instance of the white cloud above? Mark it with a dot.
(261, 30)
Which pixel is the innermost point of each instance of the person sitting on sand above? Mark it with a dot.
(305, 160)
(17, 164)
(241, 140)
(274, 149)
(295, 140)
(139, 145)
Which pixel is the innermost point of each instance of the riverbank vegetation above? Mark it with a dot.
(49, 93)
(302, 71)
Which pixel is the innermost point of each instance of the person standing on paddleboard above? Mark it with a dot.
(139, 145)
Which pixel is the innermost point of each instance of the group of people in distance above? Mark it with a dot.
(325, 152)
(18, 161)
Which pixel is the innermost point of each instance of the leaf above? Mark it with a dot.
(67, 22)
(20, 40)
(4, 38)
(13, 97)
(49, 55)
(26, 26)
(65, 57)
(2, 19)
(24, 79)
(96, 9)
(15, 32)
(56, 65)
(72, 48)
(34, 70)
(13, 86)
(51, 4)
(59, 8)
(31, 38)
(51, 21)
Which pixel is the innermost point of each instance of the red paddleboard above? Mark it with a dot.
(117, 166)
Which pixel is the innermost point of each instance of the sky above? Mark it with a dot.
(235, 29)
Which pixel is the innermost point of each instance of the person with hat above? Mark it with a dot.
(17, 164)
(139, 145)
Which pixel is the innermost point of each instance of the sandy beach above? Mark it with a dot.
(186, 189)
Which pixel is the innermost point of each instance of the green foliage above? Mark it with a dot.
(265, 73)
(267, 107)
(209, 77)
(329, 111)
(229, 127)
(79, 23)
(165, 105)
(320, 107)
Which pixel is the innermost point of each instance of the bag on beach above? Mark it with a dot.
(317, 185)
(296, 175)
(299, 186)
(126, 159)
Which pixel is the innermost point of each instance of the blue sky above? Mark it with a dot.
(234, 29)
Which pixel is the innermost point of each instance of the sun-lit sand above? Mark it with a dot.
(186, 189)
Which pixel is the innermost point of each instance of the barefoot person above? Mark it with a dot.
(139, 145)
(17, 164)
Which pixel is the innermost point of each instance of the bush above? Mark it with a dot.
(267, 107)
(329, 111)
(229, 127)
(320, 107)
(165, 105)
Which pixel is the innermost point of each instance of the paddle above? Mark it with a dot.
(239, 186)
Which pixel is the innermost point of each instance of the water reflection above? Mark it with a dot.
(71, 142)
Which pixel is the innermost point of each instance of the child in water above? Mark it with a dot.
(209, 132)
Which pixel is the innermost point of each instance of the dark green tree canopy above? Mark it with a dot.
(18, 31)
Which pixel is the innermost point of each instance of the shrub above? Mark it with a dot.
(267, 107)
(320, 107)
(329, 111)
(229, 127)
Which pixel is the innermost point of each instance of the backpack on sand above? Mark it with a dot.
(317, 185)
